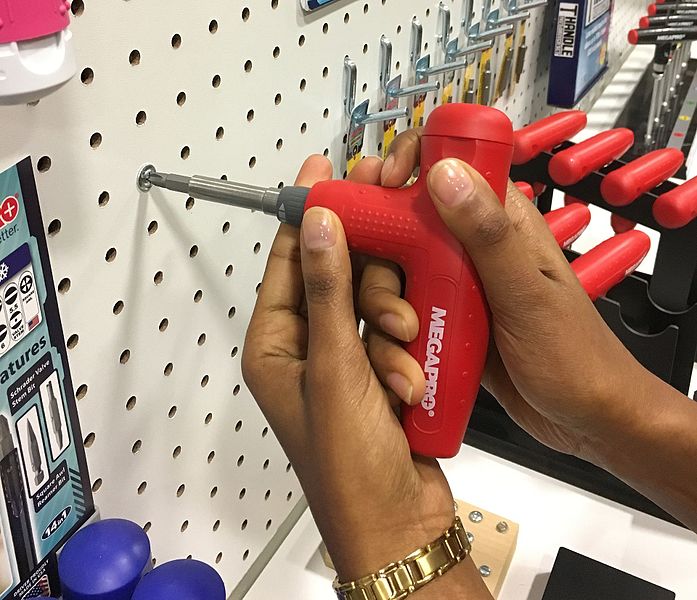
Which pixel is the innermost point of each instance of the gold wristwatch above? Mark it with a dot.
(399, 579)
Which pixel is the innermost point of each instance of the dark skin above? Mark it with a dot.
(330, 395)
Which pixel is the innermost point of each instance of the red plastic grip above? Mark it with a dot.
(526, 188)
(573, 164)
(568, 223)
(402, 225)
(651, 9)
(624, 185)
(571, 200)
(603, 267)
(545, 134)
(633, 36)
(620, 224)
(643, 23)
(678, 207)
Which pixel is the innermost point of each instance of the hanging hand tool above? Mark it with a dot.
(662, 8)
(620, 224)
(487, 70)
(573, 164)
(545, 134)
(417, 64)
(568, 223)
(657, 21)
(34, 455)
(658, 72)
(624, 185)
(521, 48)
(656, 35)
(678, 207)
(606, 265)
(403, 225)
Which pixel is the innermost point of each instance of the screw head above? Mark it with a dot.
(476, 517)
(502, 527)
(143, 179)
(470, 537)
(485, 570)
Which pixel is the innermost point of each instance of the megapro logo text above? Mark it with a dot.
(567, 28)
(434, 345)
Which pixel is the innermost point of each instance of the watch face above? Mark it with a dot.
(314, 4)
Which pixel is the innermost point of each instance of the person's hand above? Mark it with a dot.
(308, 369)
(553, 364)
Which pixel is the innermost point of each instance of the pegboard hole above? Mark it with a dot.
(288, 467)
(216, 526)
(189, 203)
(365, 9)
(257, 248)
(365, 87)
(213, 26)
(365, 48)
(268, 524)
(180, 490)
(89, 440)
(181, 98)
(219, 133)
(125, 356)
(163, 324)
(325, 114)
(43, 164)
(110, 255)
(325, 72)
(158, 277)
(72, 341)
(276, 52)
(141, 117)
(118, 307)
(303, 85)
(303, 128)
(278, 99)
(87, 75)
(103, 199)
(214, 491)
(226, 226)
(54, 227)
(347, 17)
(231, 312)
(152, 227)
(240, 460)
(216, 81)
(289, 496)
(211, 456)
(248, 65)
(301, 41)
(176, 41)
(184, 526)
(193, 251)
(147, 526)
(201, 339)
(136, 446)
(252, 162)
(243, 493)
(266, 464)
(142, 487)
(134, 57)
(176, 452)
(236, 390)
(267, 495)
(245, 555)
(250, 115)
(77, 7)
(244, 525)
(131, 403)
(228, 270)
(218, 558)
(185, 152)
(399, 29)
(172, 412)
(279, 143)
(264, 432)
(96, 140)
(208, 419)
(168, 369)
(245, 14)
(397, 65)
(96, 485)
(204, 381)
(198, 295)
(238, 425)
(274, 4)
(325, 28)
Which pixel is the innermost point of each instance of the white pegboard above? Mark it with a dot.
(156, 291)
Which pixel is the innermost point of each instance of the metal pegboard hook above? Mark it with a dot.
(443, 27)
(350, 83)
(385, 73)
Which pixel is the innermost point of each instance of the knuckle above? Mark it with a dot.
(321, 287)
(493, 228)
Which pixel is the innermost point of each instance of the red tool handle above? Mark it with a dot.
(573, 164)
(607, 264)
(624, 185)
(402, 225)
(526, 188)
(620, 224)
(571, 200)
(678, 207)
(545, 134)
(568, 223)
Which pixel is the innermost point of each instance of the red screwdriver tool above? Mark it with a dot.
(678, 207)
(568, 223)
(580, 160)
(545, 134)
(526, 188)
(402, 225)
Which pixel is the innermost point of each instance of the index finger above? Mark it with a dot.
(404, 157)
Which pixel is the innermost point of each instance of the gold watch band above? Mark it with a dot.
(399, 579)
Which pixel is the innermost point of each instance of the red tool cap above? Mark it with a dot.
(643, 23)
(526, 188)
(607, 264)
(624, 185)
(545, 134)
(568, 223)
(571, 200)
(633, 36)
(620, 224)
(678, 207)
(573, 164)
(470, 121)
(651, 9)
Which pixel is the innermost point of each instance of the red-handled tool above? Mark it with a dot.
(402, 225)
(678, 207)
(620, 224)
(545, 134)
(624, 185)
(526, 188)
(571, 200)
(603, 267)
(580, 160)
(568, 223)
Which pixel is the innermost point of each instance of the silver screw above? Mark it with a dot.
(470, 537)
(485, 570)
(143, 179)
(476, 516)
(502, 527)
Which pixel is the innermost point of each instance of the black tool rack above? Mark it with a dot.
(655, 316)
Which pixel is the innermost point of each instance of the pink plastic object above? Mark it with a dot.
(22, 20)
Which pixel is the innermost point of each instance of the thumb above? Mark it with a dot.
(332, 332)
(474, 214)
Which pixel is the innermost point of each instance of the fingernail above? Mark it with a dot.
(400, 385)
(319, 232)
(387, 168)
(395, 326)
(450, 183)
